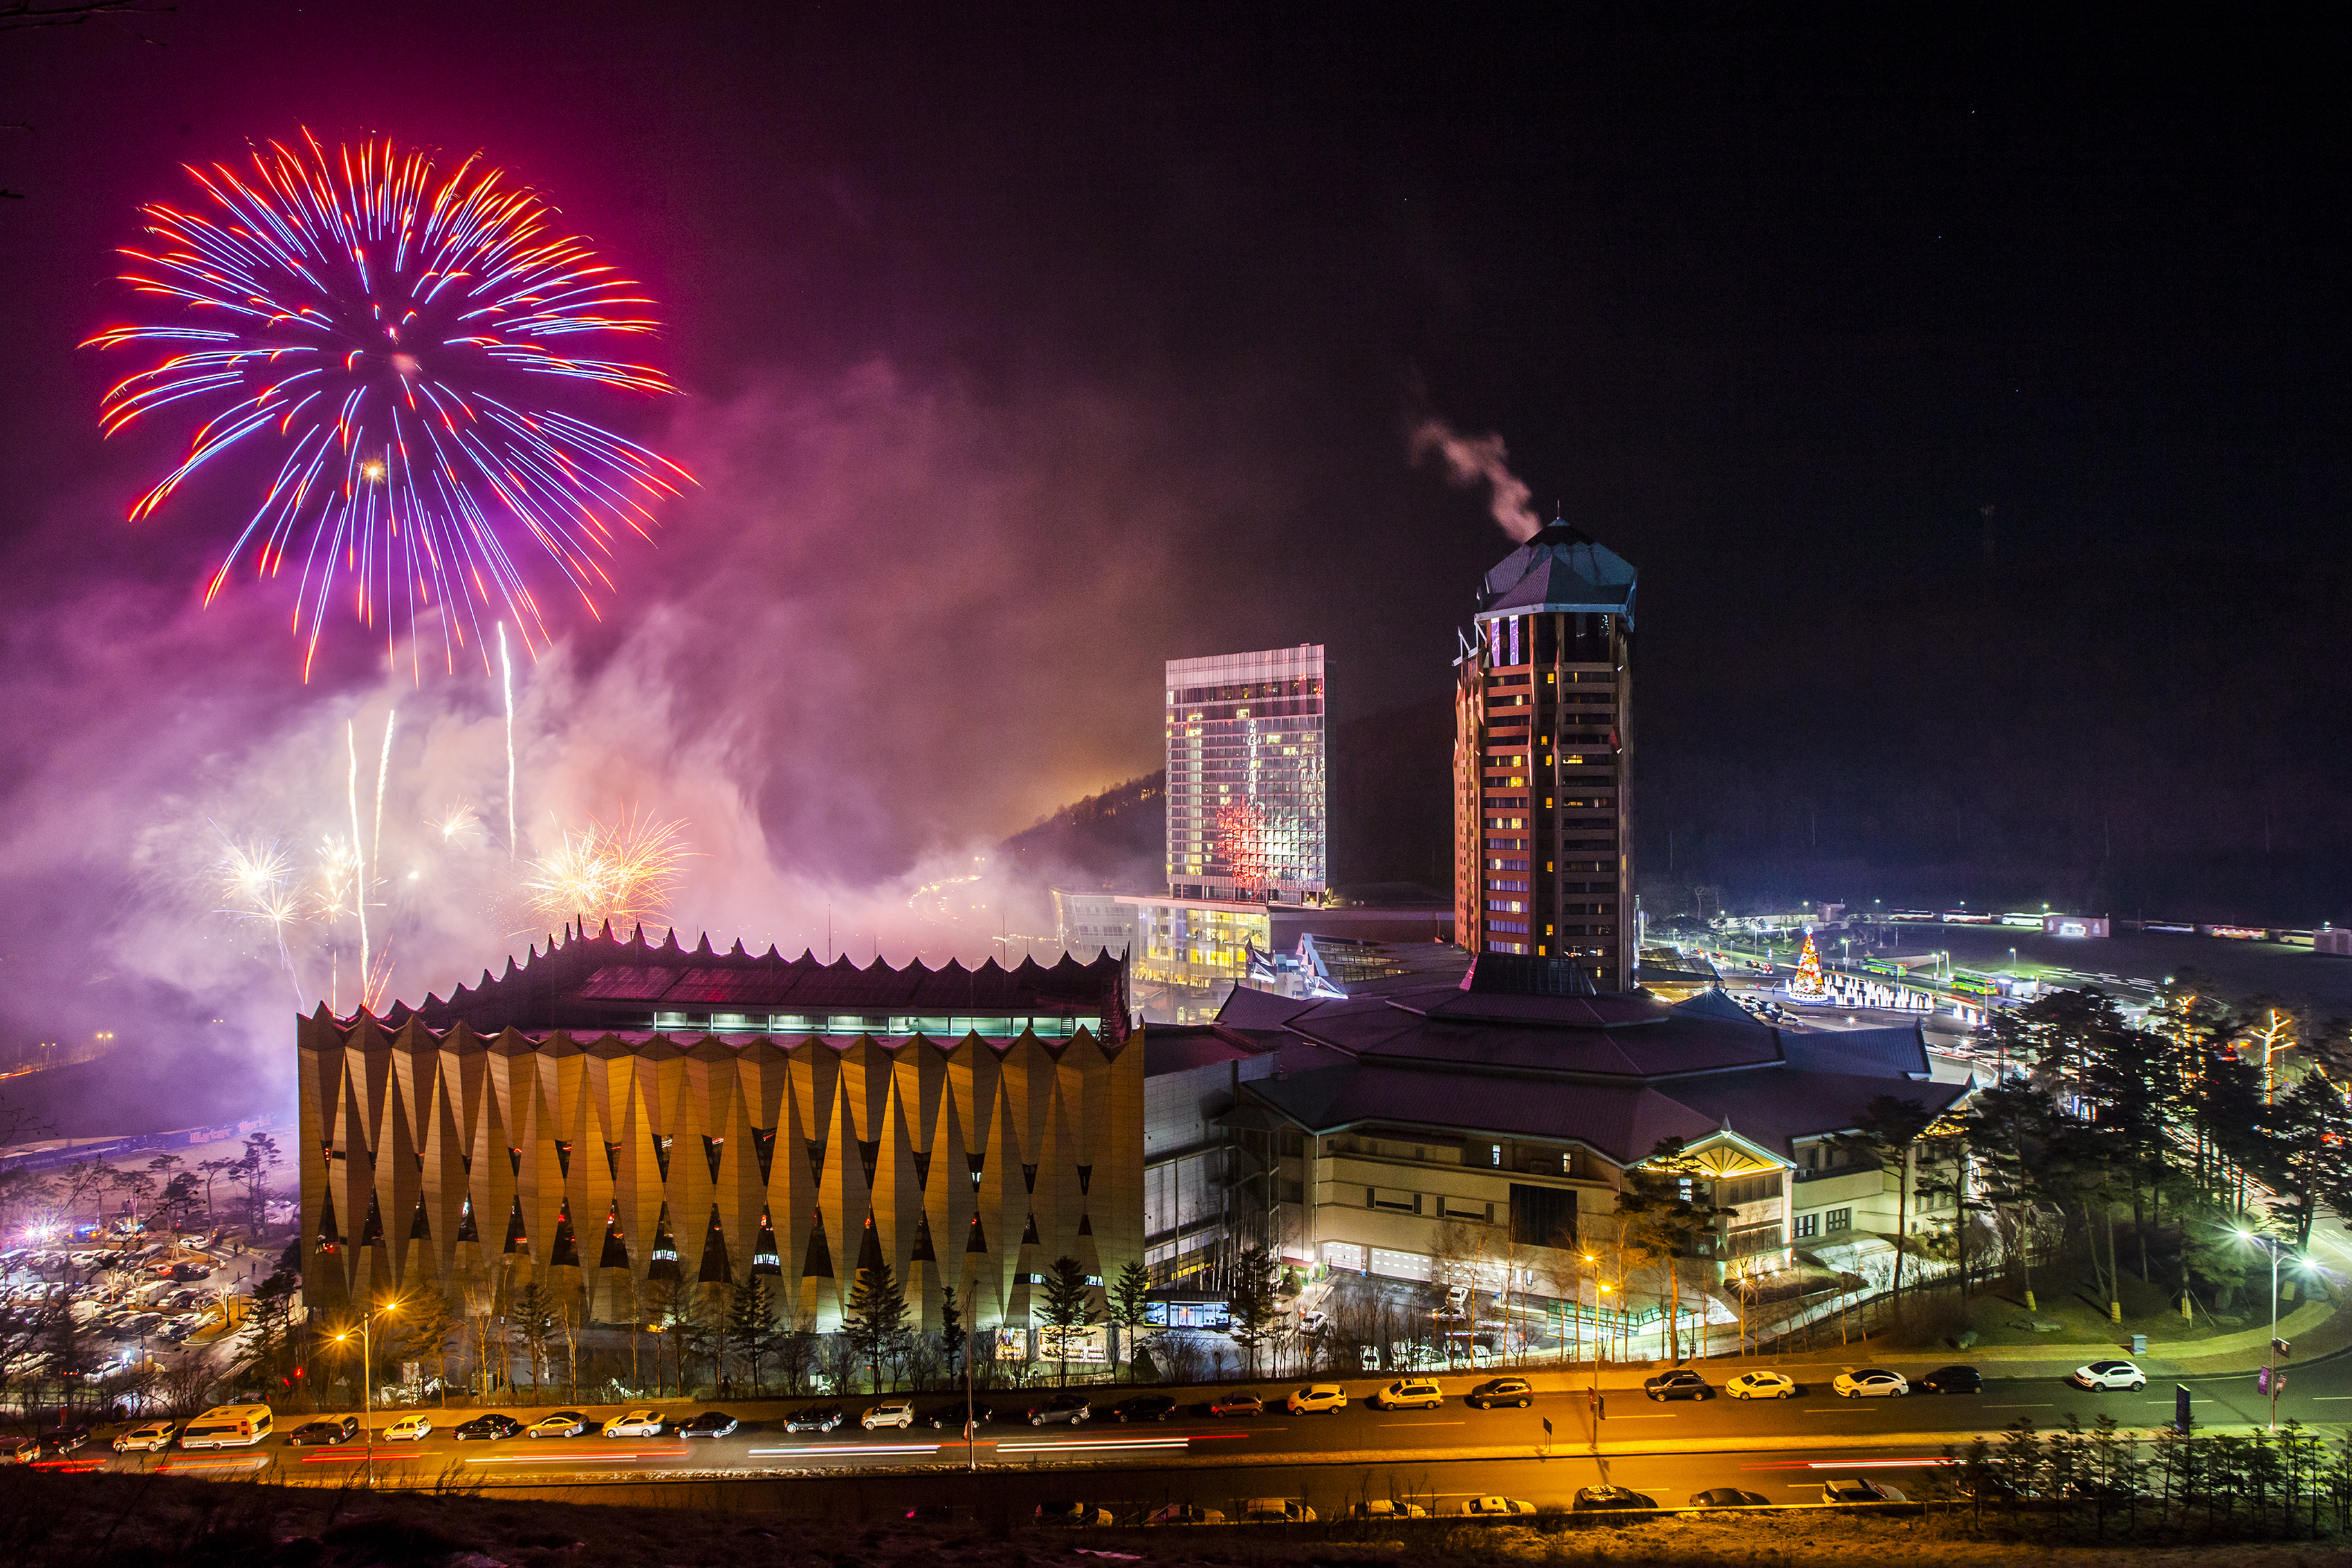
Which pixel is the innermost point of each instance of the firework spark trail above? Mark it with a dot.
(505, 664)
(382, 771)
(380, 326)
(359, 899)
(257, 881)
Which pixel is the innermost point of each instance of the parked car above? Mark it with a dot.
(323, 1434)
(1071, 1408)
(948, 1416)
(808, 1418)
(1761, 1385)
(1144, 1407)
(2109, 1375)
(558, 1423)
(409, 1429)
(1496, 1390)
(1328, 1397)
(1409, 1393)
(1950, 1380)
(1184, 1513)
(1677, 1382)
(889, 1412)
(1854, 1489)
(1490, 1506)
(1729, 1497)
(1059, 1512)
(1591, 1498)
(1313, 1322)
(487, 1428)
(1276, 1511)
(636, 1424)
(1869, 1383)
(718, 1423)
(154, 1438)
(1387, 1508)
(1237, 1402)
(19, 1450)
(59, 1441)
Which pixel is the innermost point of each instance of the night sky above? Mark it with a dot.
(1026, 347)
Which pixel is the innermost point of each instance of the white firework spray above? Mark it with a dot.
(505, 664)
(351, 738)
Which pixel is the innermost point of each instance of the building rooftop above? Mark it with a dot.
(1613, 1072)
(602, 983)
(1561, 568)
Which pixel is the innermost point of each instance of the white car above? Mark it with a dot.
(889, 1412)
(636, 1424)
(563, 1424)
(1316, 1396)
(2109, 1375)
(1313, 1322)
(409, 1429)
(1485, 1506)
(1761, 1385)
(1854, 1488)
(152, 1439)
(1870, 1382)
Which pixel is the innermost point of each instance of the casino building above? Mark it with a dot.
(610, 1116)
(1543, 760)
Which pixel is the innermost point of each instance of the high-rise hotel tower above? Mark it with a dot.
(1246, 776)
(1543, 811)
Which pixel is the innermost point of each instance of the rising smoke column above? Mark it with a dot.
(1479, 460)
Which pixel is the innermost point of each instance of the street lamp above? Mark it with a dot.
(367, 1378)
(2271, 1245)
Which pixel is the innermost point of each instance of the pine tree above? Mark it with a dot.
(1130, 1301)
(1249, 1303)
(874, 1317)
(533, 1315)
(951, 1345)
(1069, 1305)
(427, 1321)
(751, 1320)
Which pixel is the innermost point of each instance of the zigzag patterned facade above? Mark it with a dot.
(966, 1127)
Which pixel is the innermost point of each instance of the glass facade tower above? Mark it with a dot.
(1543, 760)
(1246, 776)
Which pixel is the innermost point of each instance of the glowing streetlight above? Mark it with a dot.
(367, 1377)
(2271, 1245)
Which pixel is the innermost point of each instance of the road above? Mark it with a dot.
(1780, 1448)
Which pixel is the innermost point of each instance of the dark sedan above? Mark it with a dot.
(948, 1416)
(323, 1434)
(1144, 1407)
(1591, 1497)
(487, 1428)
(1729, 1497)
(815, 1419)
(1681, 1382)
(1950, 1380)
(718, 1423)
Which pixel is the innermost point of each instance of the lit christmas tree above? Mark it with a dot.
(1807, 987)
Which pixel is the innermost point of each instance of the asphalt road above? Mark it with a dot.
(1780, 1448)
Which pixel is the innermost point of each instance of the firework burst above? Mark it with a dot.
(623, 873)
(381, 327)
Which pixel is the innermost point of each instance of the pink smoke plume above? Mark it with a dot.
(1475, 459)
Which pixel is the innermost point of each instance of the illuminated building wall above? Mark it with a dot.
(618, 1120)
(1543, 758)
(1245, 774)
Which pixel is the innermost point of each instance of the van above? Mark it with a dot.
(1410, 1393)
(227, 1427)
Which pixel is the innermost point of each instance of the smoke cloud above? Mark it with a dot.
(891, 626)
(1479, 460)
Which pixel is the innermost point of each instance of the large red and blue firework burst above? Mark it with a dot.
(379, 327)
